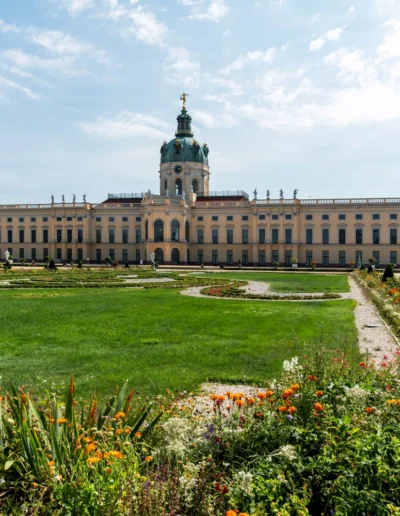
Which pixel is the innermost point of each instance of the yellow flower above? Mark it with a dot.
(62, 420)
(119, 415)
(89, 448)
(148, 458)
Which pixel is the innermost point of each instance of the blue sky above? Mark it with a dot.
(287, 94)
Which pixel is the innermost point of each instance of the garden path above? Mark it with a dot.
(374, 336)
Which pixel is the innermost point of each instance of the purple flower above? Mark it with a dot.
(289, 417)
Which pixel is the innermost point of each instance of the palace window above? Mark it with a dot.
(124, 236)
(375, 255)
(245, 217)
(245, 257)
(80, 236)
(261, 236)
(200, 236)
(275, 235)
(214, 218)
(9, 236)
(376, 216)
(215, 236)
(33, 236)
(261, 217)
(393, 236)
(245, 236)
(288, 236)
(275, 217)
(69, 235)
(393, 257)
(98, 236)
(45, 236)
(275, 255)
(325, 236)
(59, 236)
(110, 219)
(342, 236)
(288, 217)
(159, 231)
(33, 219)
(342, 216)
(229, 236)
(342, 258)
(229, 217)
(325, 258)
(200, 219)
(261, 257)
(325, 217)
(229, 257)
(309, 236)
(200, 257)
(308, 217)
(175, 231)
(111, 236)
(359, 236)
(138, 235)
(215, 256)
(359, 216)
(393, 216)
(309, 258)
(375, 236)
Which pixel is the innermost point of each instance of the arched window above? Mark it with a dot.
(175, 256)
(187, 231)
(175, 231)
(159, 256)
(195, 186)
(178, 186)
(159, 231)
(165, 186)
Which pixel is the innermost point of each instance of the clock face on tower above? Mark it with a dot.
(178, 169)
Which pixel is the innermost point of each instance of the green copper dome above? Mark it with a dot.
(184, 147)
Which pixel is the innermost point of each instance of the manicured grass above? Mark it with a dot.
(158, 339)
(290, 282)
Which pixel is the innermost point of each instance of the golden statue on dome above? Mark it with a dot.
(183, 98)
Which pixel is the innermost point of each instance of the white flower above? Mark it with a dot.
(288, 451)
(292, 366)
(243, 480)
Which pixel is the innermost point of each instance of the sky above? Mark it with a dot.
(288, 94)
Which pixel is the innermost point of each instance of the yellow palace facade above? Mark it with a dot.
(186, 223)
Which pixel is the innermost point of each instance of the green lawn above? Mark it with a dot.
(159, 339)
(290, 282)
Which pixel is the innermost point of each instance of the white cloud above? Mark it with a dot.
(127, 125)
(214, 121)
(76, 6)
(180, 68)
(316, 44)
(256, 56)
(7, 83)
(216, 10)
(146, 27)
(390, 47)
(351, 9)
(334, 34)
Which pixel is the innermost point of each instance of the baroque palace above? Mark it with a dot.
(189, 224)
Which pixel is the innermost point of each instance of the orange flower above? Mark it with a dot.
(295, 387)
(118, 431)
(148, 458)
(319, 393)
(287, 393)
(62, 420)
(230, 513)
(261, 395)
(51, 463)
(251, 401)
(89, 448)
(292, 409)
(93, 460)
(239, 403)
(312, 378)
(369, 410)
(108, 471)
(318, 406)
(282, 409)
(138, 435)
(114, 453)
(34, 485)
(243, 514)
(119, 415)
(269, 393)
(88, 439)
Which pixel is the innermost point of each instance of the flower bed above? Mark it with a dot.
(324, 438)
(384, 295)
(232, 290)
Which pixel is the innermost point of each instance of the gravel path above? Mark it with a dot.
(149, 280)
(374, 336)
